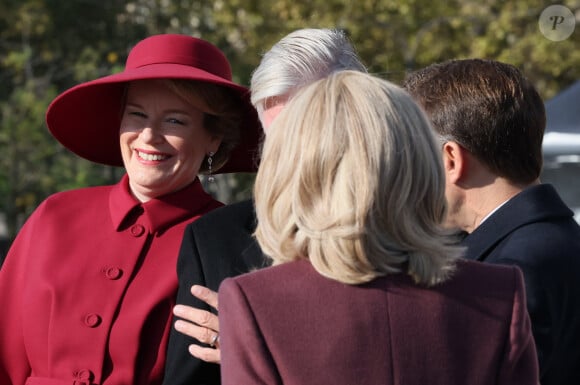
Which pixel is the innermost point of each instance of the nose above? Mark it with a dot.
(150, 134)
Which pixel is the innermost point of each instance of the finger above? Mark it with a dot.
(205, 354)
(200, 333)
(197, 316)
(206, 295)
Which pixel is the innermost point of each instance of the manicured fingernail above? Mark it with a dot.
(179, 325)
(178, 310)
(196, 290)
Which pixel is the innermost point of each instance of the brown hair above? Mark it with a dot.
(487, 107)
(224, 120)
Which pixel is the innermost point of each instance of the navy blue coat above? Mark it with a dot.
(536, 231)
(216, 246)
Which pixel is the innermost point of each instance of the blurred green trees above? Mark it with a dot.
(47, 46)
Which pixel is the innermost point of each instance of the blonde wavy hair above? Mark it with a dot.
(351, 178)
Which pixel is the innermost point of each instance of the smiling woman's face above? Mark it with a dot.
(163, 141)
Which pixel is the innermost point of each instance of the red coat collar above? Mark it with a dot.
(161, 212)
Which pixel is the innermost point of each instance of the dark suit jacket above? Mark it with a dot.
(536, 231)
(218, 245)
(289, 325)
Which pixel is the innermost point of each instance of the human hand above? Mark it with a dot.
(201, 325)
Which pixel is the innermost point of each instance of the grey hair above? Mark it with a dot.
(301, 58)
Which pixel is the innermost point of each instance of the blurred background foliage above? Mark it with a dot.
(47, 46)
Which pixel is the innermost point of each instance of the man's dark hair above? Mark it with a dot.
(487, 107)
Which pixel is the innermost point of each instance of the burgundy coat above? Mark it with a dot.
(290, 325)
(87, 288)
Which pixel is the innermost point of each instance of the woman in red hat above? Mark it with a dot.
(88, 285)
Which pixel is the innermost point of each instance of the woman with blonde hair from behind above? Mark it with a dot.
(366, 286)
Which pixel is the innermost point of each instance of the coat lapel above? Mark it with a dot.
(534, 204)
(252, 254)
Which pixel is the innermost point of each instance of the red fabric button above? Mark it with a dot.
(92, 320)
(112, 273)
(84, 374)
(83, 377)
(137, 230)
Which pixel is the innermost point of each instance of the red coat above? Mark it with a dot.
(289, 325)
(87, 288)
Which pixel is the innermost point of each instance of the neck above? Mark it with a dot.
(482, 200)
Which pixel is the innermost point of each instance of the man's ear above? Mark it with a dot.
(455, 162)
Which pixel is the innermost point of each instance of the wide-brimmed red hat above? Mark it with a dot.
(87, 117)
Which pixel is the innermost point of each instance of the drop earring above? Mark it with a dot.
(210, 177)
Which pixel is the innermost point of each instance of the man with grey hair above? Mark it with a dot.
(220, 244)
